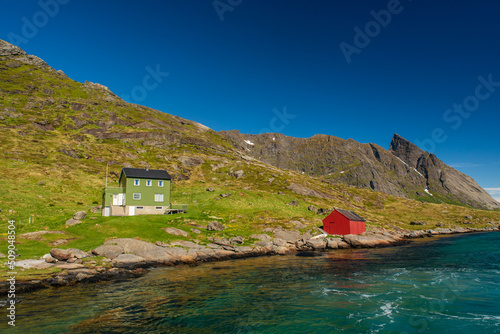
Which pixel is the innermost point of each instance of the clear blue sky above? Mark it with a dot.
(229, 67)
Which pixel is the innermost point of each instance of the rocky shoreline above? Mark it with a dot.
(126, 258)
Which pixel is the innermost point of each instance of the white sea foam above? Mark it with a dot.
(472, 316)
(327, 291)
(387, 310)
(428, 298)
(395, 272)
(485, 317)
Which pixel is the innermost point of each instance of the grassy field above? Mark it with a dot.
(254, 204)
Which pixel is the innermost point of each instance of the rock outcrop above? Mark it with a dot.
(143, 249)
(176, 231)
(80, 215)
(7, 49)
(128, 261)
(66, 254)
(371, 240)
(215, 226)
(109, 251)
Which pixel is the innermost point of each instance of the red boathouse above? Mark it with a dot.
(343, 222)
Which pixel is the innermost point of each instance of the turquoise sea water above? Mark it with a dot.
(447, 285)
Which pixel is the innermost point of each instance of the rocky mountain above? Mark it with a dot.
(404, 170)
(441, 178)
(36, 99)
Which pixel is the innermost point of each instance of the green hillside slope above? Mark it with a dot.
(57, 135)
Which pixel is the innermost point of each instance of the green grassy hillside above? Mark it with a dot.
(57, 135)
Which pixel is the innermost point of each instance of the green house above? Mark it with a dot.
(140, 192)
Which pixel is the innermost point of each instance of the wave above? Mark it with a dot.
(472, 316)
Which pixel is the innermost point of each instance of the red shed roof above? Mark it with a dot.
(351, 215)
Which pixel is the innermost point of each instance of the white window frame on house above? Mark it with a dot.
(160, 183)
(149, 183)
(134, 196)
(159, 197)
(137, 182)
(139, 207)
(159, 207)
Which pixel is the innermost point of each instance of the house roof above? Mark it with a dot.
(155, 174)
(351, 215)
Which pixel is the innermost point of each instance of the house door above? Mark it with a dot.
(105, 211)
(131, 210)
(118, 199)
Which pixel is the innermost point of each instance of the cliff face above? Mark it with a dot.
(442, 179)
(404, 170)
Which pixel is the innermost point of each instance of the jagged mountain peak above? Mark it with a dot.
(441, 178)
(405, 150)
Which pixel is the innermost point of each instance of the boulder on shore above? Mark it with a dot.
(144, 249)
(49, 259)
(127, 261)
(332, 243)
(317, 244)
(77, 253)
(60, 254)
(109, 251)
(66, 254)
(370, 240)
(289, 236)
(33, 264)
